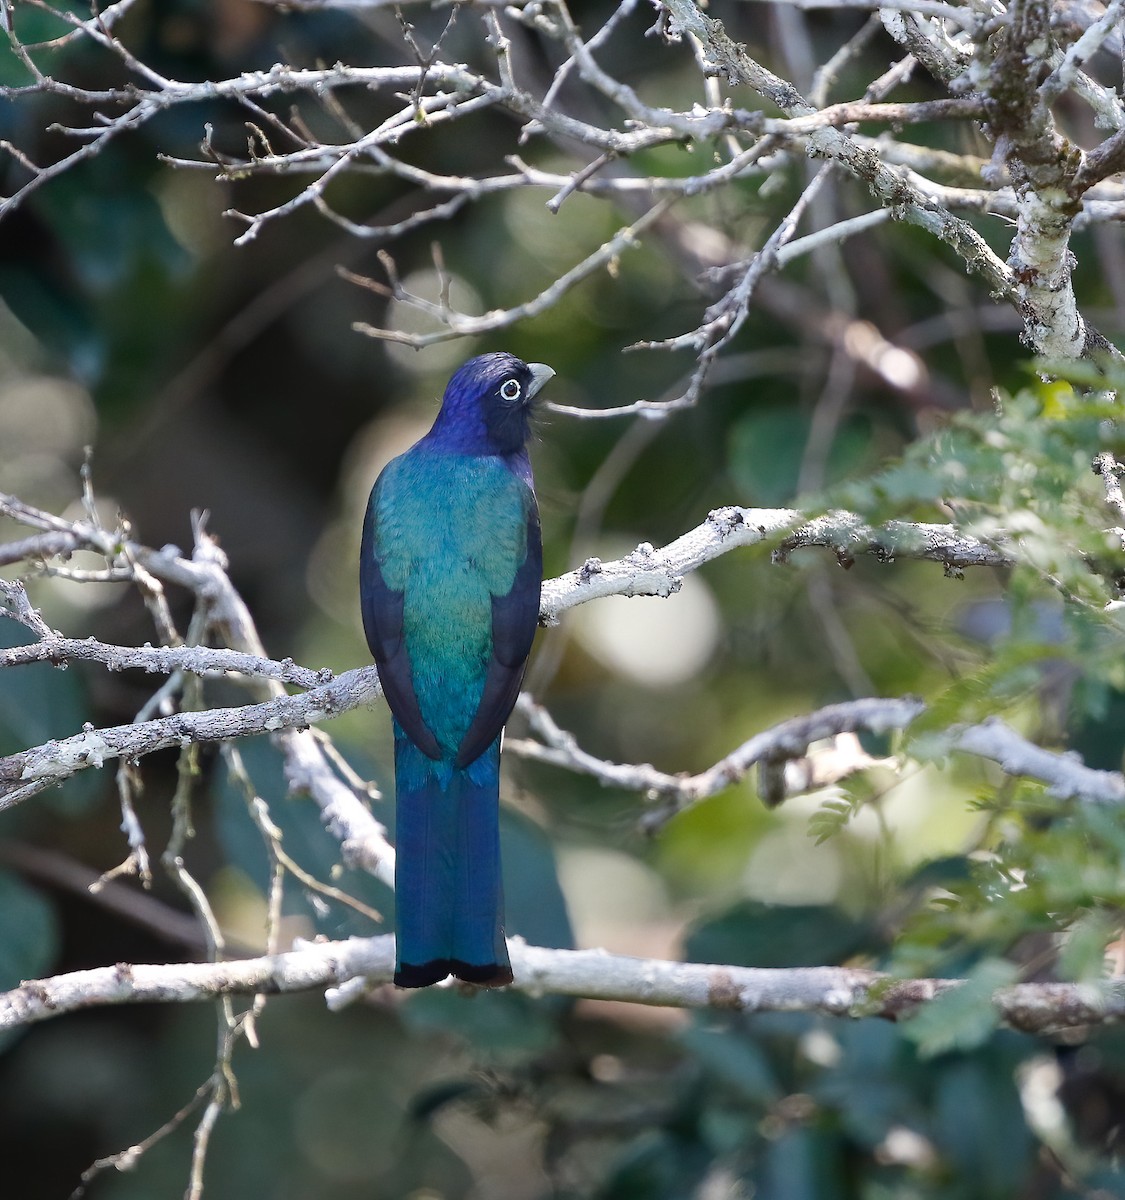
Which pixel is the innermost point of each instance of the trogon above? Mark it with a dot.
(450, 574)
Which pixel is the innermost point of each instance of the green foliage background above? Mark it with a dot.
(230, 379)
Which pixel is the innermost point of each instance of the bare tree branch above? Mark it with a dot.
(1048, 200)
(200, 660)
(774, 752)
(30, 771)
(650, 572)
(594, 974)
(645, 571)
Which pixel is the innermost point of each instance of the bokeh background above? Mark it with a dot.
(230, 379)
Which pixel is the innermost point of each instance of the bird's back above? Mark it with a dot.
(450, 533)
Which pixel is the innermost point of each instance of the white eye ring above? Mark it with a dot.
(510, 390)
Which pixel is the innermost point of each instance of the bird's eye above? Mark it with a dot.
(510, 390)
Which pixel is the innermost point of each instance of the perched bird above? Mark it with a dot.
(450, 573)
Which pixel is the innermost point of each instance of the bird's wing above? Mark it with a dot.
(382, 610)
(515, 616)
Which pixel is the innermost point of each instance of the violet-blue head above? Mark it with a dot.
(488, 404)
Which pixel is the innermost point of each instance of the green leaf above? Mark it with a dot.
(766, 448)
(29, 936)
(704, 848)
(867, 1088)
(964, 1017)
(830, 818)
(752, 934)
(1010, 674)
(505, 1026)
(32, 25)
(303, 838)
(1082, 958)
(803, 1164)
(534, 905)
(978, 1121)
(657, 1165)
(737, 1061)
(39, 702)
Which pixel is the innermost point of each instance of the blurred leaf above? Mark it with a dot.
(831, 817)
(872, 1087)
(39, 702)
(963, 1017)
(940, 873)
(979, 1122)
(501, 1025)
(1012, 671)
(766, 448)
(655, 1166)
(752, 934)
(32, 25)
(705, 846)
(737, 1061)
(29, 936)
(534, 905)
(114, 235)
(53, 310)
(303, 838)
(802, 1164)
(1083, 955)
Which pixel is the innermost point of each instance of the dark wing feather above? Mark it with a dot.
(515, 616)
(381, 608)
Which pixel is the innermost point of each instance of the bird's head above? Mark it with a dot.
(487, 403)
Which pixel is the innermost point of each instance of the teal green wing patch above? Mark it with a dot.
(382, 611)
(515, 616)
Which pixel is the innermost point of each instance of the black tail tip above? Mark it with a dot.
(489, 975)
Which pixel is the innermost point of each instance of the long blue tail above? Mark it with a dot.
(449, 896)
